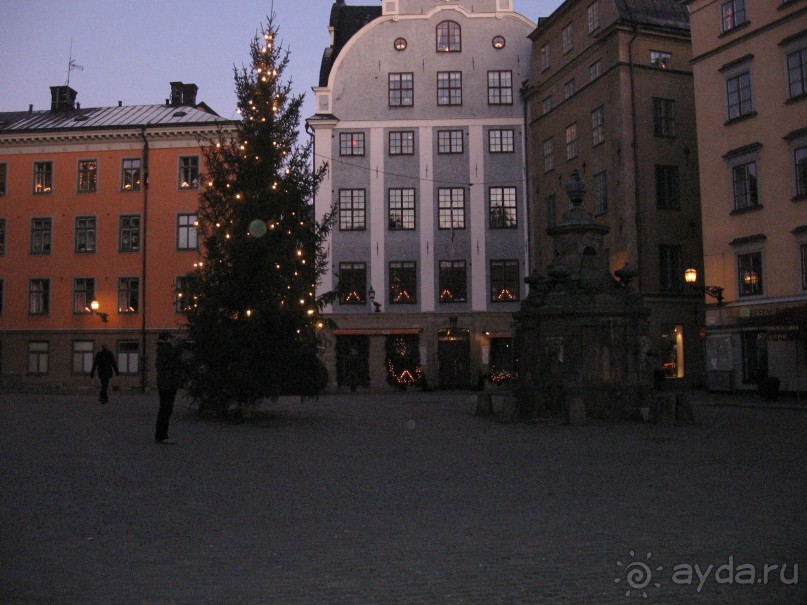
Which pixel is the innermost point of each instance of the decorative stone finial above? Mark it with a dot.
(575, 189)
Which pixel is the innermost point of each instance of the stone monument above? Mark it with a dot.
(581, 334)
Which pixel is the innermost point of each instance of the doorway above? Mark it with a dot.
(454, 358)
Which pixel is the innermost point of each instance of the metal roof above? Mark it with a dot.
(127, 116)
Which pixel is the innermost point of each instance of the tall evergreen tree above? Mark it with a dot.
(253, 315)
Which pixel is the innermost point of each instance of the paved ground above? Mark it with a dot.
(397, 499)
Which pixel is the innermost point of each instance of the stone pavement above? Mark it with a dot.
(403, 498)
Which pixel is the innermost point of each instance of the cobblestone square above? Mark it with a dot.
(403, 498)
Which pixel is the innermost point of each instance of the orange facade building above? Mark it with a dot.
(96, 206)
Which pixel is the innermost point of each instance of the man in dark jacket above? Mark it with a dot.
(105, 363)
(169, 376)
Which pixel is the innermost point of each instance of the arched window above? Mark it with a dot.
(449, 37)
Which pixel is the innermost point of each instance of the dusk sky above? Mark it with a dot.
(130, 51)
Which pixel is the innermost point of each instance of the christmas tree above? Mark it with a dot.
(252, 312)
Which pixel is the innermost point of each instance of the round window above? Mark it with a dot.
(400, 43)
(498, 42)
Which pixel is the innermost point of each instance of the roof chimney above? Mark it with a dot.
(62, 98)
(183, 94)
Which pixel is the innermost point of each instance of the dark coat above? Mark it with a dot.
(105, 363)
(169, 366)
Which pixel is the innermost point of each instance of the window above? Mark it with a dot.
(128, 357)
(85, 234)
(453, 281)
(401, 89)
(83, 294)
(796, 74)
(451, 208)
(547, 104)
(450, 141)
(672, 351)
(595, 70)
(569, 88)
(500, 87)
(402, 142)
(2, 236)
(732, 14)
(549, 161)
(43, 177)
(39, 296)
(449, 88)
(503, 214)
(130, 174)
(738, 95)
(663, 117)
(128, 294)
(568, 39)
(801, 172)
(401, 209)
(671, 268)
(351, 143)
(501, 141)
(38, 357)
(667, 189)
(352, 283)
(546, 58)
(571, 141)
(593, 17)
(400, 44)
(3, 177)
(449, 37)
(749, 268)
(184, 294)
(129, 233)
(600, 182)
(744, 181)
(498, 42)
(189, 172)
(660, 59)
(803, 270)
(82, 356)
(598, 126)
(351, 209)
(551, 211)
(402, 283)
(1, 295)
(504, 281)
(40, 235)
(87, 176)
(187, 234)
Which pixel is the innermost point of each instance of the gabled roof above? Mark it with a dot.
(130, 116)
(345, 21)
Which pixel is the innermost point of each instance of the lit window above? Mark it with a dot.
(450, 141)
(401, 209)
(184, 294)
(400, 44)
(453, 281)
(83, 294)
(660, 59)
(87, 176)
(187, 233)
(500, 87)
(128, 295)
(402, 283)
(352, 209)
(451, 208)
(130, 174)
(749, 268)
(189, 172)
(401, 90)
(449, 37)
(351, 143)
(498, 42)
(449, 88)
(503, 214)
(504, 281)
(352, 283)
(43, 177)
(501, 141)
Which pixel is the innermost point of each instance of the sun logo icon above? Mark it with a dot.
(638, 575)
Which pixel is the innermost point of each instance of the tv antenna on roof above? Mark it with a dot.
(71, 65)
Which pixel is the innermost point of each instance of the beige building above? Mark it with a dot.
(611, 95)
(750, 64)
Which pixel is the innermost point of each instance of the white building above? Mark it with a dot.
(420, 118)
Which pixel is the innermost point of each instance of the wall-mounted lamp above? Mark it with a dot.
(94, 306)
(716, 292)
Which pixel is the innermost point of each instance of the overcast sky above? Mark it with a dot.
(130, 51)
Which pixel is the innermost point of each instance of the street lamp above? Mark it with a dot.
(94, 306)
(691, 276)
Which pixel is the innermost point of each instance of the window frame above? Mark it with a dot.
(351, 144)
(449, 88)
(405, 144)
(745, 186)
(450, 34)
(800, 170)
(352, 209)
(567, 38)
(188, 174)
(665, 115)
(128, 292)
(803, 248)
(668, 187)
(671, 267)
(595, 70)
(130, 174)
(570, 88)
(129, 231)
(750, 263)
(183, 291)
(502, 207)
(739, 96)
(83, 294)
(40, 356)
(41, 236)
(3, 178)
(660, 59)
(124, 351)
(599, 183)
(407, 270)
(39, 296)
(450, 208)
(87, 180)
(500, 87)
(801, 80)
(82, 358)
(549, 154)
(405, 205)
(593, 16)
(452, 281)
(545, 55)
(397, 91)
(2, 236)
(357, 282)
(450, 141)
(571, 141)
(501, 140)
(729, 19)
(86, 234)
(598, 126)
(187, 232)
(505, 277)
(43, 177)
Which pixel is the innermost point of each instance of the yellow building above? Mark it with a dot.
(750, 65)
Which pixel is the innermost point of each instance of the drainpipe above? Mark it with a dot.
(635, 146)
(528, 201)
(144, 239)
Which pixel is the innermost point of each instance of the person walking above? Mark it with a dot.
(169, 374)
(104, 362)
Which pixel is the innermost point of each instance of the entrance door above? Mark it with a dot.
(454, 358)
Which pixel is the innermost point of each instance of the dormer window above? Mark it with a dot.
(449, 37)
